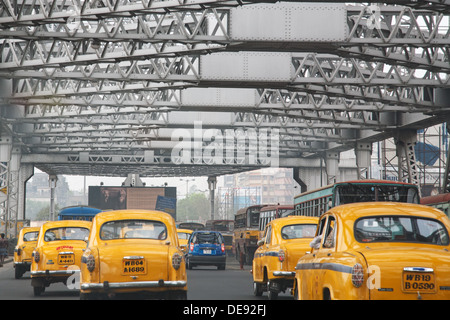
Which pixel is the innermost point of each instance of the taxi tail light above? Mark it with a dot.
(222, 247)
(281, 255)
(90, 263)
(176, 260)
(357, 275)
(37, 256)
(19, 252)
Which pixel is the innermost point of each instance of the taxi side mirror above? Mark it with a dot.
(260, 242)
(315, 244)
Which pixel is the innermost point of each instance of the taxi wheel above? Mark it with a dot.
(18, 272)
(257, 289)
(38, 290)
(188, 264)
(272, 295)
(178, 295)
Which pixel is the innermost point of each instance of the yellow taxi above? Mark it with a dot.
(284, 241)
(27, 240)
(133, 252)
(377, 250)
(183, 237)
(58, 251)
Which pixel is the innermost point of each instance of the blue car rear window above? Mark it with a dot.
(207, 237)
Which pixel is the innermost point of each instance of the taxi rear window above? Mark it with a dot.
(31, 236)
(207, 237)
(133, 229)
(66, 233)
(400, 229)
(298, 231)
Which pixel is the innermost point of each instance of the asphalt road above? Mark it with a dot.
(204, 283)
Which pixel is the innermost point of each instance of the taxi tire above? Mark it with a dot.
(178, 295)
(257, 289)
(18, 272)
(37, 291)
(271, 295)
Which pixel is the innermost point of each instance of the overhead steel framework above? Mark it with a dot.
(209, 87)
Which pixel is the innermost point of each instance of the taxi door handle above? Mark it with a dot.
(329, 254)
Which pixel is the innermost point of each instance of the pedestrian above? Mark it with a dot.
(3, 248)
(241, 259)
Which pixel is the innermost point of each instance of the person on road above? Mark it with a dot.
(3, 249)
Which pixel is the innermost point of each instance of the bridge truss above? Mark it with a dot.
(210, 87)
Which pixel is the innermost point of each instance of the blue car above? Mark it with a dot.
(206, 248)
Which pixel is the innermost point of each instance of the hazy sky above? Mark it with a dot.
(77, 182)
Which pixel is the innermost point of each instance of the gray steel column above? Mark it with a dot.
(332, 166)
(407, 165)
(52, 180)
(212, 182)
(363, 152)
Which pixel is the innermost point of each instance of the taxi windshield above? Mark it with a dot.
(400, 229)
(66, 233)
(133, 229)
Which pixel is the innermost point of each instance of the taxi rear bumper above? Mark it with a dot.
(133, 285)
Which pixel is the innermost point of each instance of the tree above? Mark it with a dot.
(195, 207)
(44, 213)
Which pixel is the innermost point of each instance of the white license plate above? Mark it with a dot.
(206, 251)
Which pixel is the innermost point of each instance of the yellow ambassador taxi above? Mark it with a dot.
(23, 251)
(183, 237)
(133, 252)
(377, 250)
(284, 241)
(58, 251)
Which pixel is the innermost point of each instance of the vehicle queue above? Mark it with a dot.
(362, 250)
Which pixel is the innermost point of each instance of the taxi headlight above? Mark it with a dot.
(90, 263)
(176, 260)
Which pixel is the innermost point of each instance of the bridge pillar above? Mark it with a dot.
(212, 182)
(332, 166)
(312, 177)
(5, 161)
(363, 152)
(52, 180)
(408, 171)
(446, 180)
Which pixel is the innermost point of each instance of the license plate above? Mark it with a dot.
(66, 258)
(134, 266)
(206, 251)
(418, 282)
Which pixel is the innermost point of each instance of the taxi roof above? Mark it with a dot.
(295, 219)
(362, 209)
(132, 214)
(185, 230)
(66, 223)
